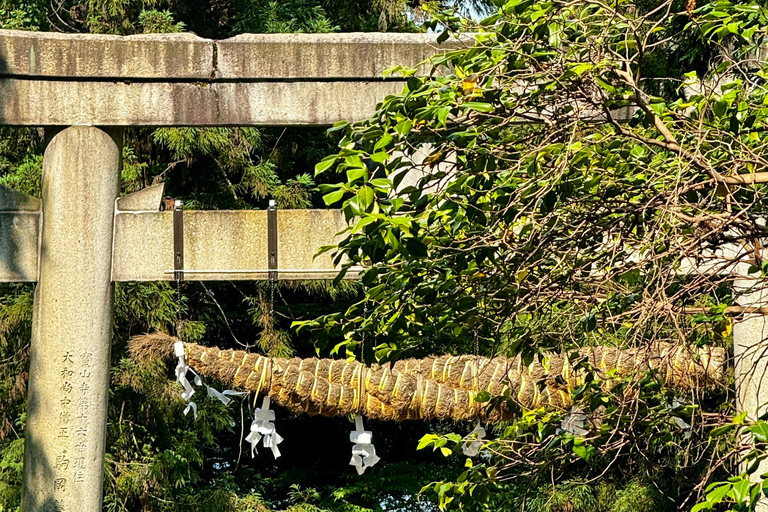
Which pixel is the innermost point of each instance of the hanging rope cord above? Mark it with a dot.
(359, 395)
(177, 327)
(434, 387)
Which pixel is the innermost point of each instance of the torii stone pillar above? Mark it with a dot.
(72, 326)
(750, 354)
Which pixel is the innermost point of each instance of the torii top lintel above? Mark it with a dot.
(49, 79)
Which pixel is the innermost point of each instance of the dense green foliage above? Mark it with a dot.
(549, 187)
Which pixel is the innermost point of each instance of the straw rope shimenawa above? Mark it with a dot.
(434, 387)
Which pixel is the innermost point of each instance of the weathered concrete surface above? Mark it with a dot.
(158, 56)
(224, 241)
(57, 103)
(11, 200)
(146, 199)
(174, 57)
(72, 325)
(19, 230)
(325, 56)
(750, 353)
(18, 246)
(751, 358)
(183, 80)
(301, 233)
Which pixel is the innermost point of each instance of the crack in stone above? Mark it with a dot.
(214, 61)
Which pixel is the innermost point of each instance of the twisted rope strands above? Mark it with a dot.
(435, 387)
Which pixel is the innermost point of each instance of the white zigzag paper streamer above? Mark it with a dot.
(363, 452)
(472, 448)
(574, 423)
(181, 377)
(263, 427)
(223, 396)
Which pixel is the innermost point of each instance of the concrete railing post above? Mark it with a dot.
(72, 328)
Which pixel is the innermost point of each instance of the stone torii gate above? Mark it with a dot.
(81, 238)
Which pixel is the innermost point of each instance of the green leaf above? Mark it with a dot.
(325, 164)
(582, 450)
(590, 322)
(383, 142)
(723, 429)
(658, 108)
(355, 173)
(482, 397)
(605, 85)
(382, 183)
(720, 108)
(354, 160)
(760, 431)
(442, 114)
(522, 6)
(740, 490)
(582, 68)
(490, 20)
(333, 197)
(637, 151)
(380, 157)
(426, 440)
(403, 127)
(416, 247)
(716, 496)
(478, 106)
(365, 197)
